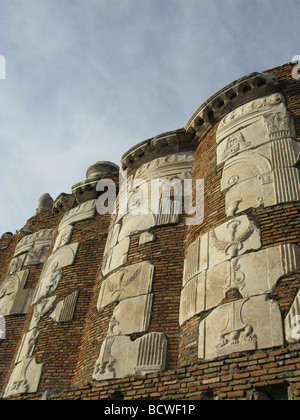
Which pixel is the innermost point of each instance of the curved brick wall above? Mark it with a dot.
(147, 307)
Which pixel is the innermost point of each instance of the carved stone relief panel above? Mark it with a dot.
(40, 309)
(116, 256)
(272, 188)
(226, 241)
(64, 237)
(128, 282)
(262, 177)
(233, 239)
(25, 378)
(16, 264)
(247, 165)
(28, 344)
(252, 125)
(131, 221)
(237, 327)
(131, 316)
(120, 357)
(65, 309)
(49, 284)
(41, 239)
(52, 272)
(12, 291)
(83, 212)
(257, 144)
(251, 274)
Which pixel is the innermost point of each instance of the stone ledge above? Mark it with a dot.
(227, 99)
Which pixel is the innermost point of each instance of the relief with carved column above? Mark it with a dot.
(257, 145)
(27, 373)
(131, 286)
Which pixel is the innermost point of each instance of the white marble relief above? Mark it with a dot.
(247, 165)
(254, 124)
(120, 357)
(229, 240)
(82, 212)
(131, 316)
(52, 272)
(28, 345)
(128, 282)
(251, 274)
(40, 309)
(243, 325)
(139, 209)
(25, 378)
(262, 177)
(65, 309)
(64, 237)
(116, 256)
(13, 295)
(39, 239)
(16, 264)
(266, 190)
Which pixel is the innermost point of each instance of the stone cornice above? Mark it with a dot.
(227, 99)
(159, 146)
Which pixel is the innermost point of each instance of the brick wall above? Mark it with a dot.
(70, 350)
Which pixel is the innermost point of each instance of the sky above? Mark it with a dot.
(86, 80)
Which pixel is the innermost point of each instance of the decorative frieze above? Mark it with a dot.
(39, 240)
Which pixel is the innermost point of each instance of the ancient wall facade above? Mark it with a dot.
(148, 306)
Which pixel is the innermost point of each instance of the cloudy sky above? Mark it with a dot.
(88, 79)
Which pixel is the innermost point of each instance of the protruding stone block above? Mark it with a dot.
(243, 325)
(120, 357)
(128, 282)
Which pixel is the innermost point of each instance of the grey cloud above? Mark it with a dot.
(86, 80)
